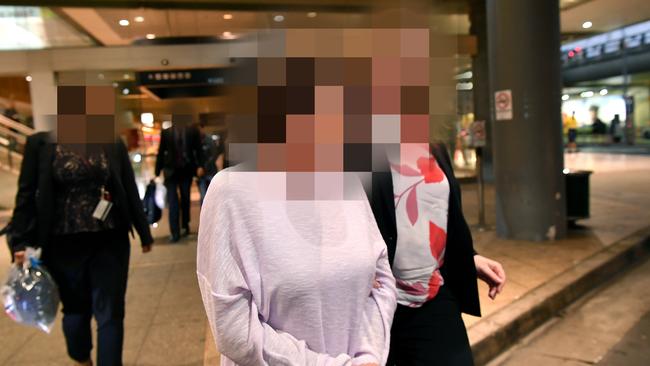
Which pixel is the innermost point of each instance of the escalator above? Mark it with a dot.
(13, 136)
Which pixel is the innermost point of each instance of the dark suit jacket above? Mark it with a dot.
(166, 159)
(458, 271)
(33, 215)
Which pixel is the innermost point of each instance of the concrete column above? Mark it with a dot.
(480, 79)
(524, 56)
(43, 93)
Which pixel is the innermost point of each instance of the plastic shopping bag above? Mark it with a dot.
(30, 294)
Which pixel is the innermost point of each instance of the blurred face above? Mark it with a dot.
(338, 112)
(85, 115)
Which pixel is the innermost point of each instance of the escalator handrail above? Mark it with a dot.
(17, 126)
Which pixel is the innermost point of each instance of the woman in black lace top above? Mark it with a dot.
(78, 201)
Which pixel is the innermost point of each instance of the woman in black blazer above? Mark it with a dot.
(428, 328)
(59, 189)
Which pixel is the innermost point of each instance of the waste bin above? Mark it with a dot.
(577, 194)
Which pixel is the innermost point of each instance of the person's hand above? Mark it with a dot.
(368, 364)
(146, 248)
(19, 257)
(376, 284)
(492, 273)
(200, 172)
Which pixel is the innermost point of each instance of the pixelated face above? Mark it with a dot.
(336, 100)
(85, 114)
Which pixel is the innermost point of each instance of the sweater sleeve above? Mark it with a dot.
(378, 316)
(225, 280)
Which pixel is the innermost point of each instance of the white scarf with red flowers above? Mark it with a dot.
(421, 192)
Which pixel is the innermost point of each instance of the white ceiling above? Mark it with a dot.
(604, 14)
(103, 23)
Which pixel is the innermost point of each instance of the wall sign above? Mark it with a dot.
(503, 105)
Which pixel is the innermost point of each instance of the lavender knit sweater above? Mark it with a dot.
(288, 282)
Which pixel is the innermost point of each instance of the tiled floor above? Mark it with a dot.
(165, 320)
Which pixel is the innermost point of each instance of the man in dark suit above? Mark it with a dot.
(179, 159)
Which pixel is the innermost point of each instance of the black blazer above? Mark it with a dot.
(458, 270)
(33, 215)
(166, 159)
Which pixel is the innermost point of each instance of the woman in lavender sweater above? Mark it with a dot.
(293, 282)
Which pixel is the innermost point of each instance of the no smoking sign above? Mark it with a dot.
(503, 104)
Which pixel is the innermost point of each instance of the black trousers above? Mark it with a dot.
(180, 182)
(91, 271)
(431, 335)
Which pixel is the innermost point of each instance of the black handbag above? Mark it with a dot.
(151, 209)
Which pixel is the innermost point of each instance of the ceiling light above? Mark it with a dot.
(28, 78)
(227, 35)
(150, 36)
(126, 91)
(126, 76)
(124, 22)
(312, 14)
(587, 25)
(147, 119)
(139, 19)
(278, 18)
(603, 91)
(227, 16)
(565, 97)
(587, 94)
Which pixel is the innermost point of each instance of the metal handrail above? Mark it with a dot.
(13, 136)
(17, 126)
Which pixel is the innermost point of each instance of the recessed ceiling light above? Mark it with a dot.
(227, 16)
(587, 25)
(139, 19)
(227, 35)
(28, 78)
(587, 94)
(565, 97)
(124, 22)
(126, 76)
(278, 18)
(603, 91)
(150, 36)
(312, 14)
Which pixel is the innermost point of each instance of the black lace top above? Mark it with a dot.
(78, 179)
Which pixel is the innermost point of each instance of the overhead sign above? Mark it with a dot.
(503, 105)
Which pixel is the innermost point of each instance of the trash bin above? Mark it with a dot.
(577, 194)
